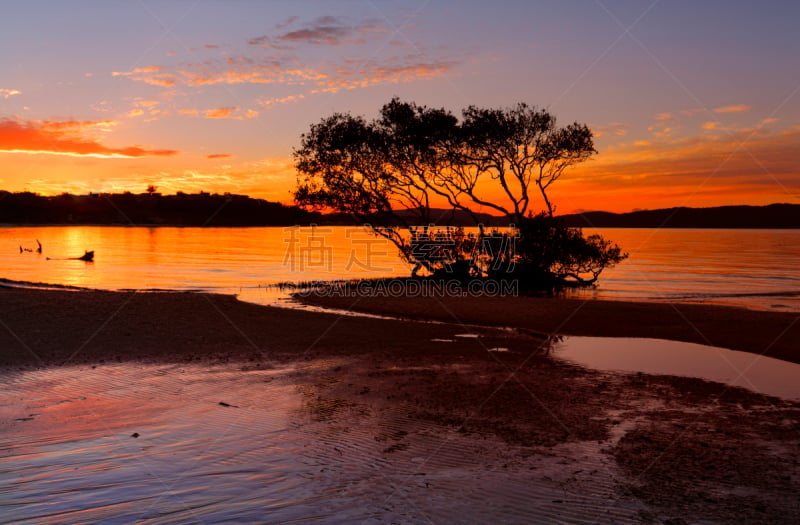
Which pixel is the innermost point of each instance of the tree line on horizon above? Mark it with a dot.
(771, 216)
(194, 209)
(150, 208)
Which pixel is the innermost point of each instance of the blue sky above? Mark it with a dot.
(692, 103)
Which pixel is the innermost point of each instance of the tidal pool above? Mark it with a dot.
(755, 372)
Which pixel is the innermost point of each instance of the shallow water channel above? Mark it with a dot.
(758, 373)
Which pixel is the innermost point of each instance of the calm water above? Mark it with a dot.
(230, 260)
(754, 268)
(755, 372)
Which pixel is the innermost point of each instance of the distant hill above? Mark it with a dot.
(187, 209)
(205, 209)
(447, 217)
(775, 216)
(182, 209)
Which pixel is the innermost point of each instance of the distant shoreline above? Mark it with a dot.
(772, 217)
(229, 210)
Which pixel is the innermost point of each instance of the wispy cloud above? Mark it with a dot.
(219, 156)
(148, 108)
(148, 69)
(332, 77)
(617, 129)
(232, 112)
(5, 93)
(269, 102)
(288, 58)
(736, 108)
(325, 30)
(232, 70)
(77, 126)
(220, 112)
(355, 74)
(65, 138)
(154, 75)
(663, 129)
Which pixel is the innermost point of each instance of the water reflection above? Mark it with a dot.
(214, 259)
(657, 356)
(186, 444)
(751, 268)
(754, 268)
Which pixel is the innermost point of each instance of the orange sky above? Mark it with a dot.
(696, 110)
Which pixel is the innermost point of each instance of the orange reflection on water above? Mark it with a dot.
(222, 259)
(755, 268)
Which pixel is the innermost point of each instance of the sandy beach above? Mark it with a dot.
(663, 449)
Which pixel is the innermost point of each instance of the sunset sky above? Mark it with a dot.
(692, 103)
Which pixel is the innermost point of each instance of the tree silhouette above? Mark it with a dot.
(518, 147)
(389, 171)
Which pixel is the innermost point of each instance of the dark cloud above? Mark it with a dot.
(325, 30)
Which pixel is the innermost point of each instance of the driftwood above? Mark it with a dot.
(88, 256)
(38, 249)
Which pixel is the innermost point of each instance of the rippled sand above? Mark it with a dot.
(186, 444)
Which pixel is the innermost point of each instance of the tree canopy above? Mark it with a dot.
(413, 154)
(388, 172)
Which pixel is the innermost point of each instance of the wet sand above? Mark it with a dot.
(439, 419)
(775, 334)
